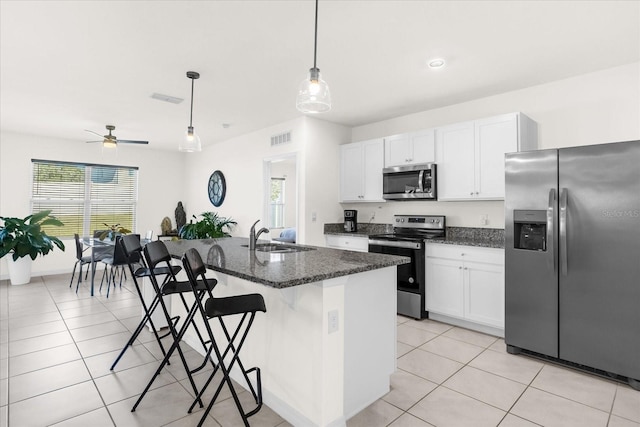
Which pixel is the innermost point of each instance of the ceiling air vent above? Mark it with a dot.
(166, 98)
(283, 138)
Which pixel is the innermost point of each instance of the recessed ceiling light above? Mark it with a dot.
(436, 63)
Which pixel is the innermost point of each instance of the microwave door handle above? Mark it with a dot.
(421, 181)
(551, 214)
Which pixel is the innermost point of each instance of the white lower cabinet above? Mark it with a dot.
(351, 243)
(466, 282)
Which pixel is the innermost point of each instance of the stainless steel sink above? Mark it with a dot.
(279, 248)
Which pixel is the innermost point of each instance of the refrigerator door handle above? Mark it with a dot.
(551, 210)
(563, 232)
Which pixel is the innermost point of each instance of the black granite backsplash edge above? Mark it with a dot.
(491, 237)
(364, 228)
(488, 237)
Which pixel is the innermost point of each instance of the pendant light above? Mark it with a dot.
(313, 93)
(191, 141)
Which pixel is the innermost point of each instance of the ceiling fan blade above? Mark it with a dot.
(89, 142)
(95, 133)
(127, 141)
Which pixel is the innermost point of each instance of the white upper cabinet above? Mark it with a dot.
(361, 166)
(470, 155)
(410, 148)
(455, 157)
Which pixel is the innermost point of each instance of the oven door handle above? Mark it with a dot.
(396, 244)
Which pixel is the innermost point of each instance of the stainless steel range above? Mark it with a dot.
(408, 239)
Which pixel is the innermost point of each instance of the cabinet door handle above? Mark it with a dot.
(471, 194)
(466, 268)
(460, 268)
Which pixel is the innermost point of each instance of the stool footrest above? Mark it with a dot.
(257, 397)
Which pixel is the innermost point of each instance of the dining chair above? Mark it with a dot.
(116, 264)
(80, 259)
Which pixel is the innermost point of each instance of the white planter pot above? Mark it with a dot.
(20, 270)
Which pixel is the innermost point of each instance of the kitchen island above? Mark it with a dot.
(327, 344)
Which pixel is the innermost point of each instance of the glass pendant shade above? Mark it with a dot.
(313, 94)
(191, 141)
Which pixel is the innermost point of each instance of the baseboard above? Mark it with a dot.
(467, 324)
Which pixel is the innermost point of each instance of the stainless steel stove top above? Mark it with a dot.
(414, 228)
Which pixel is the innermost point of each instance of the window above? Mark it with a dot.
(85, 196)
(276, 217)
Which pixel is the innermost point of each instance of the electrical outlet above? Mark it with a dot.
(373, 216)
(484, 219)
(314, 217)
(333, 323)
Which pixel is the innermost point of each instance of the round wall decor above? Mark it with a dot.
(217, 188)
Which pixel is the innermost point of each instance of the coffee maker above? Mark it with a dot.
(350, 220)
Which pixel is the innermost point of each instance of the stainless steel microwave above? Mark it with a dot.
(410, 182)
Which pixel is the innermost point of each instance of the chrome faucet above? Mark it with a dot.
(253, 237)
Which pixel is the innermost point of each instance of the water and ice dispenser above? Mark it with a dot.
(530, 229)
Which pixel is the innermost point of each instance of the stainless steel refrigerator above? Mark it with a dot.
(572, 256)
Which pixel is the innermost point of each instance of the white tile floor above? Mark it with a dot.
(56, 348)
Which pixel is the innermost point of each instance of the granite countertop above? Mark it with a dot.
(281, 270)
(466, 236)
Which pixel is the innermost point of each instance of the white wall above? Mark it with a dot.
(322, 176)
(241, 160)
(160, 184)
(589, 109)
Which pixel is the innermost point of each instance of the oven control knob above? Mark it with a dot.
(411, 280)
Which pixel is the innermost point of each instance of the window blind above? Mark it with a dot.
(85, 196)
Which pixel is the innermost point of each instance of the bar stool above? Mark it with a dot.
(247, 305)
(132, 249)
(156, 253)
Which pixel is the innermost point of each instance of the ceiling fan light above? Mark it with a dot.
(313, 94)
(109, 143)
(191, 141)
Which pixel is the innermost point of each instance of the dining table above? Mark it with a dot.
(101, 249)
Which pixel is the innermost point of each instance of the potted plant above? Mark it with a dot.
(112, 231)
(210, 226)
(24, 239)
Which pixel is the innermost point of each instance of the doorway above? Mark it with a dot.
(281, 197)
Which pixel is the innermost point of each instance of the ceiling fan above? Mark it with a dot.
(110, 141)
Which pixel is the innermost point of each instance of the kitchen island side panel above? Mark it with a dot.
(310, 376)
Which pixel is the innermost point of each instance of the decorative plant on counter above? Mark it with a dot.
(210, 226)
(24, 237)
(112, 231)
